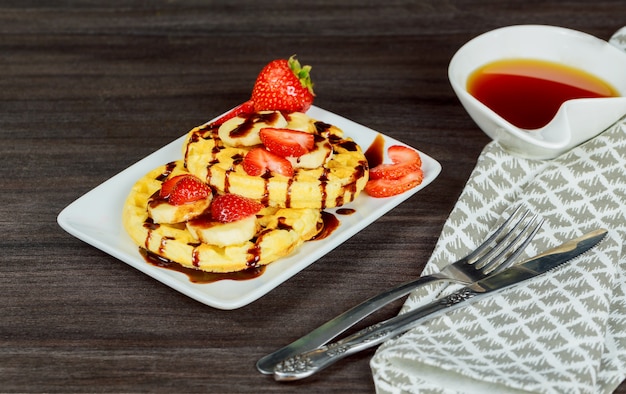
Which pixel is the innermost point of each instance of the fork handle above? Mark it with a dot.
(308, 363)
(339, 324)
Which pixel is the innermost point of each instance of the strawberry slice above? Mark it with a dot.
(391, 187)
(405, 173)
(286, 142)
(405, 160)
(242, 109)
(259, 161)
(184, 188)
(168, 186)
(232, 207)
(283, 85)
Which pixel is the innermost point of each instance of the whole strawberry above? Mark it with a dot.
(283, 85)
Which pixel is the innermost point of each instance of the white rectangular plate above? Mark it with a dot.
(96, 218)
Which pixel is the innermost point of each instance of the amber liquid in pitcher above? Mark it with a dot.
(528, 93)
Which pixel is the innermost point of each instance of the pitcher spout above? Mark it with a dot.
(580, 120)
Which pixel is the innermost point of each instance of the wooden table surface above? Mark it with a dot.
(87, 90)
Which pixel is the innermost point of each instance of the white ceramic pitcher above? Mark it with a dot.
(577, 120)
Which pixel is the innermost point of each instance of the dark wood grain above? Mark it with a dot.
(87, 90)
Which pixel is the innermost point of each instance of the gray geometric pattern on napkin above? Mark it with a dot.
(563, 332)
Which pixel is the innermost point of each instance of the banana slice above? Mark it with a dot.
(317, 157)
(301, 122)
(223, 234)
(162, 211)
(244, 131)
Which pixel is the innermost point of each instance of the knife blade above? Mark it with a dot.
(310, 362)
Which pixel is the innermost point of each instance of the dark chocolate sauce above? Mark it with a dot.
(288, 196)
(238, 158)
(255, 253)
(169, 167)
(155, 199)
(323, 182)
(375, 153)
(328, 226)
(348, 145)
(203, 221)
(198, 276)
(322, 127)
(226, 178)
(282, 225)
(345, 211)
(150, 224)
(248, 125)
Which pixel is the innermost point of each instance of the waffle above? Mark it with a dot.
(273, 233)
(331, 175)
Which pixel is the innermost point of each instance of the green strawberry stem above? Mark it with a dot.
(302, 72)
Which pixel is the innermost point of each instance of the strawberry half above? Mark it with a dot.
(259, 161)
(232, 207)
(242, 109)
(405, 160)
(283, 85)
(184, 188)
(391, 187)
(286, 142)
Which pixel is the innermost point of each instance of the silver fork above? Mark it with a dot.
(498, 252)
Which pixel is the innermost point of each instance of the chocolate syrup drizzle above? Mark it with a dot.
(322, 132)
(326, 227)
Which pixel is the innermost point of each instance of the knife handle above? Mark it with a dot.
(339, 324)
(308, 363)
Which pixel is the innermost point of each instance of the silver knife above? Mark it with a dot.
(308, 363)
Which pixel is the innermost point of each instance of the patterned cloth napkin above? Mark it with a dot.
(563, 332)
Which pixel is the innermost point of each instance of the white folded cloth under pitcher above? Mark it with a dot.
(562, 333)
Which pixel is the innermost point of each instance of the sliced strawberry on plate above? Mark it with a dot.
(232, 207)
(283, 85)
(286, 142)
(259, 161)
(405, 173)
(391, 187)
(405, 160)
(184, 188)
(242, 109)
